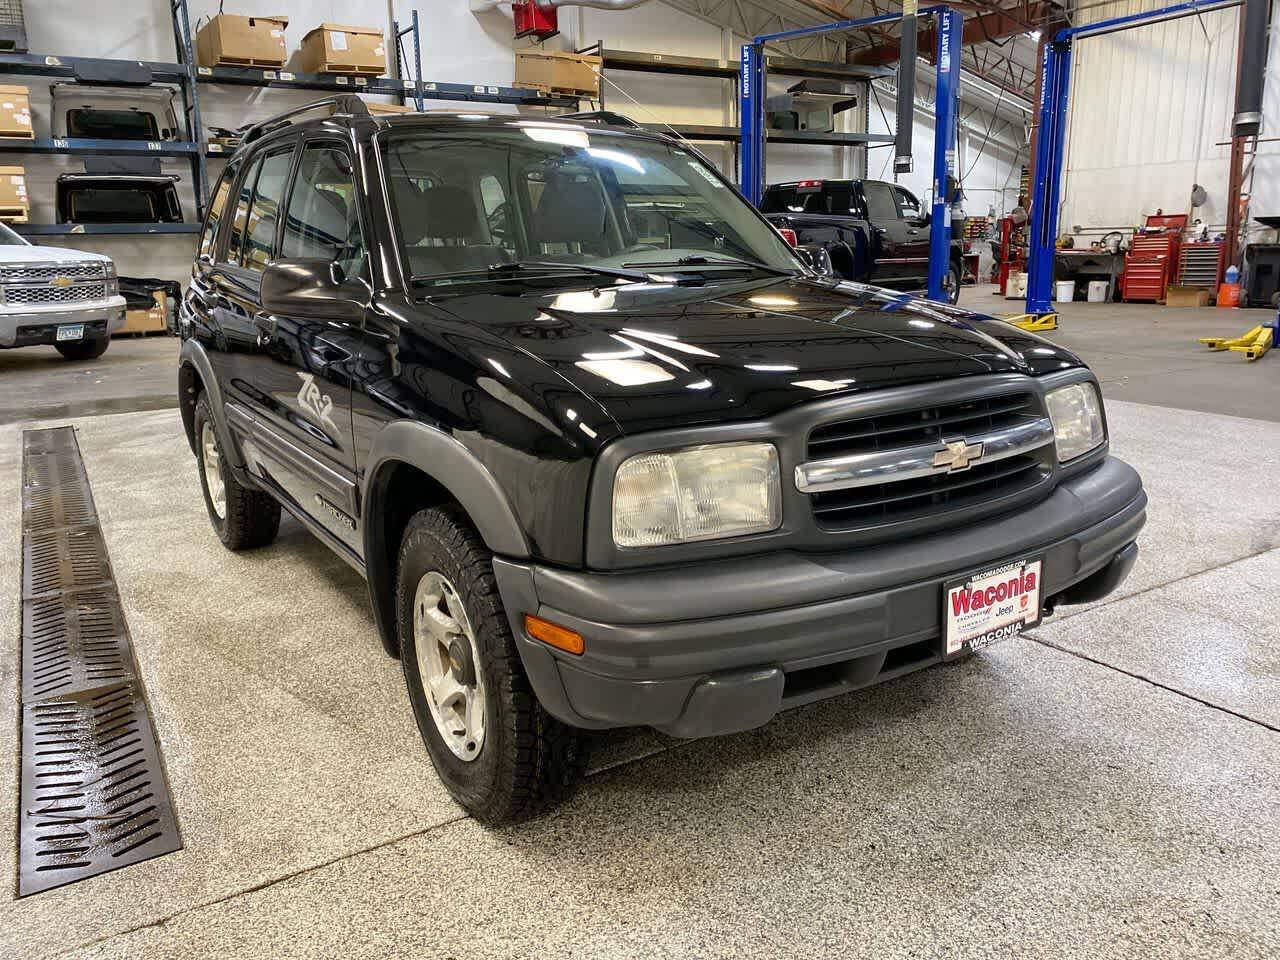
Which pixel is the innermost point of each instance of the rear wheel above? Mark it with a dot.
(84, 349)
(242, 517)
(951, 283)
(499, 753)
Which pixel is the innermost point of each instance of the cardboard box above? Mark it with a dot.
(1175, 296)
(235, 41)
(15, 112)
(552, 70)
(15, 205)
(146, 321)
(376, 108)
(332, 48)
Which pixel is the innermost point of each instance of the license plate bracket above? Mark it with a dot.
(991, 604)
(69, 331)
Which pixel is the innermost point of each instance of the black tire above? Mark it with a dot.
(528, 760)
(249, 518)
(84, 349)
(952, 283)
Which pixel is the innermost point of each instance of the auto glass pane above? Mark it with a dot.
(264, 211)
(323, 222)
(217, 207)
(573, 195)
(241, 217)
(123, 205)
(839, 197)
(881, 204)
(111, 124)
(781, 200)
(908, 205)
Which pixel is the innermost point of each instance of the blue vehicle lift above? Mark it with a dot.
(1051, 148)
(752, 96)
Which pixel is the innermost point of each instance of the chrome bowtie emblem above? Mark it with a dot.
(957, 455)
(61, 281)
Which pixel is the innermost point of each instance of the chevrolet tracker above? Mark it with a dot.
(606, 451)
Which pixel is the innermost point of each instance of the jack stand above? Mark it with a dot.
(1033, 322)
(1253, 344)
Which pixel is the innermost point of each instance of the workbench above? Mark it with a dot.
(1086, 265)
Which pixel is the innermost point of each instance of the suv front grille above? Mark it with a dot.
(31, 273)
(73, 293)
(917, 499)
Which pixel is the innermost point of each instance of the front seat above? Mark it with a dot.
(571, 213)
(443, 230)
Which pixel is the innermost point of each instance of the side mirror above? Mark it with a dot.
(311, 287)
(925, 218)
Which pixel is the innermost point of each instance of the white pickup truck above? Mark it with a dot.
(67, 299)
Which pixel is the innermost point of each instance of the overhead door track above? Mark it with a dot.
(94, 795)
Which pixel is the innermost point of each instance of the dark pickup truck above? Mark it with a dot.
(875, 232)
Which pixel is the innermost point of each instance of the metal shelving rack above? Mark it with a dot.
(181, 72)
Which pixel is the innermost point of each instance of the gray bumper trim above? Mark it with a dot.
(654, 638)
(11, 323)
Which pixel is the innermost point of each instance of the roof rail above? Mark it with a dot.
(342, 103)
(609, 118)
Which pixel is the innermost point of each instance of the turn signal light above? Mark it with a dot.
(559, 637)
(789, 235)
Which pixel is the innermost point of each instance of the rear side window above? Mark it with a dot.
(264, 211)
(838, 198)
(112, 124)
(323, 221)
(881, 204)
(217, 208)
(241, 218)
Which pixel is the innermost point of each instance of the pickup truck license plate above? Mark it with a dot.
(990, 605)
(70, 331)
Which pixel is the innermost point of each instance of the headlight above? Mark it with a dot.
(699, 493)
(1076, 413)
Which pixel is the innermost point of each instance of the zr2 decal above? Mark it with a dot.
(316, 403)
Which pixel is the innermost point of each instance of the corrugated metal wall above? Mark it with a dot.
(1148, 106)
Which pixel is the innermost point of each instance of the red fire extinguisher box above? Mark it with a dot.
(534, 21)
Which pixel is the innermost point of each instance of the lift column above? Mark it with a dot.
(950, 32)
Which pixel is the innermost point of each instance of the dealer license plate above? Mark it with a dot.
(70, 331)
(990, 605)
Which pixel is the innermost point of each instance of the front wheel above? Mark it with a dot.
(499, 753)
(84, 349)
(242, 517)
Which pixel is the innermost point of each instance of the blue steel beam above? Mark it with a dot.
(751, 97)
(839, 25)
(1045, 192)
(946, 100)
(1190, 8)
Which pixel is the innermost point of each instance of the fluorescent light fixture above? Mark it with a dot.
(668, 341)
(587, 430)
(771, 300)
(699, 385)
(499, 367)
(565, 136)
(772, 367)
(616, 156)
(922, 324)
(822, 385)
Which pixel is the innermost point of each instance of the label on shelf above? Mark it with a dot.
(428, 86)
(60, 144)
(268, 74)
(493, 91)
(52, 62)
(340, 81)
(205, 71)
(153, 145)
(286, 75)
(362, 81)
(408, 84)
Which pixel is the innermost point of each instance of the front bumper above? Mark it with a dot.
(722, 646)
(39, 325)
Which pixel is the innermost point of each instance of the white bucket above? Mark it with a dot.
(1066, 290)
(1098, 290)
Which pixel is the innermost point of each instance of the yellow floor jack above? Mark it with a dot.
(1253, 344)
(1034, 322)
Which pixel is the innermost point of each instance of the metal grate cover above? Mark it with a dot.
(93, 796)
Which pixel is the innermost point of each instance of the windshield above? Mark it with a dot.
(9, 238)
(553, 192)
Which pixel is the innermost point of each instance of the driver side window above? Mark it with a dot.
(323, 221)
(908, 206)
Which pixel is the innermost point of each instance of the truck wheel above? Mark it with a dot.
(241, 516)
(951, 283)
(499, 753)
(84, 349)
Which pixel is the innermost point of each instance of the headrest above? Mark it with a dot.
(570, 211)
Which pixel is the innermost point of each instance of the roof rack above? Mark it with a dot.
(342, 103)
(609, 118)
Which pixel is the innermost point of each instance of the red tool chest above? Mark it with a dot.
(1152, 260)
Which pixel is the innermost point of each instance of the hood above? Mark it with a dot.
(13, 253)
(659, 355)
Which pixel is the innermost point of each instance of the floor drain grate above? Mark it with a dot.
(94, 796)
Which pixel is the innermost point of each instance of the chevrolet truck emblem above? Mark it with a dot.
(957, 455)
(61, 282)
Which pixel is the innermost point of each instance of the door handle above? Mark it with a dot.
(913, 231)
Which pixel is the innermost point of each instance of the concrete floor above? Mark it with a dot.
(1109, 787)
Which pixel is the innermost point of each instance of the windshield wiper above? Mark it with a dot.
(500, 271)
(700, 261)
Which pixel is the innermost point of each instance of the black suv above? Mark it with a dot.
(606, 451)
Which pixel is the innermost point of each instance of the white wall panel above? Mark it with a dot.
(1147, 107)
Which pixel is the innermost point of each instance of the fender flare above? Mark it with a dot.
(193, 353)
(461, 474)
